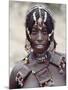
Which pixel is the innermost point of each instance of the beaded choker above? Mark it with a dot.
(41, 58)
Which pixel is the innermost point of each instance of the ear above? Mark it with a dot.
(52, 45)
(27, 41)
(28, 35)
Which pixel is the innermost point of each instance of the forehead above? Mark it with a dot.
(39, 24)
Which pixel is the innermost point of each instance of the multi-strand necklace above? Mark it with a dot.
(42, 58)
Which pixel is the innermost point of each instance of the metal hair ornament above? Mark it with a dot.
(34, 17)
(40, 12)
(45, 17)
(51, 33)
(28, 32)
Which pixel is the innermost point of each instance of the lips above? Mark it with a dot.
(40, 42)
(39, 45)
(39, 48)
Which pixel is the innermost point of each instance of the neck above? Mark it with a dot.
(39, 54)
(41, 57)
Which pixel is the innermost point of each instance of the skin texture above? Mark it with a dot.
(39, 37)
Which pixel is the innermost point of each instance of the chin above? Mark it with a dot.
(39, 50)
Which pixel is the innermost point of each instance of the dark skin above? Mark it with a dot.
(39, 40)
(39, 37)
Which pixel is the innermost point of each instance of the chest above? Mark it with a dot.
(43, 76)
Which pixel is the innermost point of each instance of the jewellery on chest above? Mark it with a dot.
(26, 61)
(19, 79)
(62, 65)
(44, 77)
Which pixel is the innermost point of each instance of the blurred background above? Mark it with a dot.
(17, 13)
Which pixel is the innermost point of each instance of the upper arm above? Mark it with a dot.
(56, 58)
(19, 73)
(12, 82)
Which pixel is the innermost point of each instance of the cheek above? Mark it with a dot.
(32, 40)
(45, 37)
(33, 37)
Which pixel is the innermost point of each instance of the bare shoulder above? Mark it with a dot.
(57, 57)
(59, 60)
(18, 74)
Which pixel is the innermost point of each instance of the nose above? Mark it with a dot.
(39, 37)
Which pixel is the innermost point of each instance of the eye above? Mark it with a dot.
(44, 31)
(34, 31)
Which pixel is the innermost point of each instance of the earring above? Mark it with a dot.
(48, 38)
(51, 46)
(28, 46)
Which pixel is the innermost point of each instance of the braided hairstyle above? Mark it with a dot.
(33, 15)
